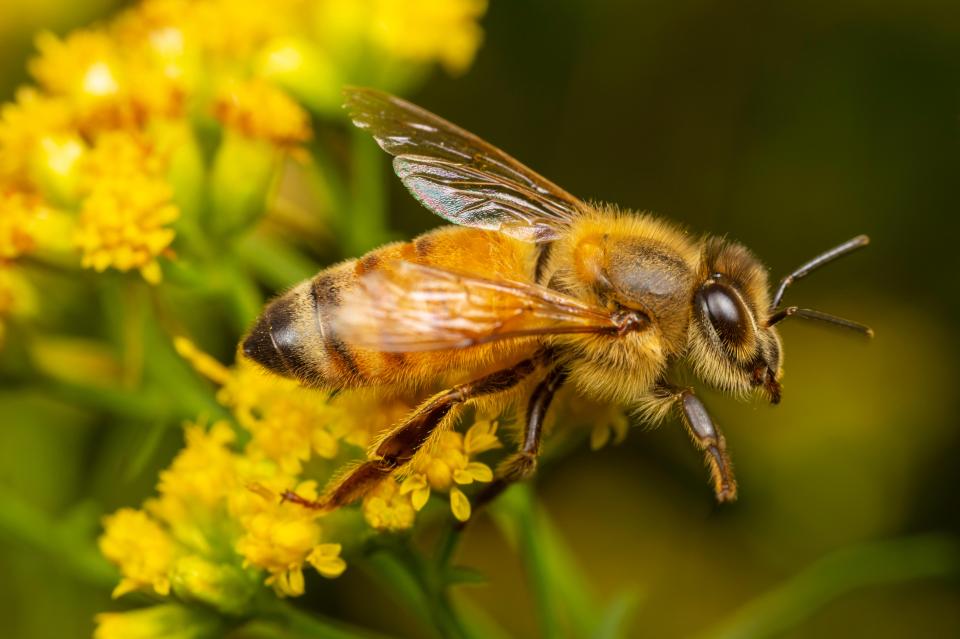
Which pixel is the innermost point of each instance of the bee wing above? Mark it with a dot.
(460, 177)
(407, 307)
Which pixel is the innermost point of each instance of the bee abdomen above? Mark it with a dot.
(338, 361)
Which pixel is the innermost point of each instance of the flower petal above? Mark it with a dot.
(459, 504)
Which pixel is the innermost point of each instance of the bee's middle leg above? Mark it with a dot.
(523, 463)
(402, 443)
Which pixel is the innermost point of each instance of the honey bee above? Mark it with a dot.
(533, 289)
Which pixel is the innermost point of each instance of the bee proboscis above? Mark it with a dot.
(533, 289)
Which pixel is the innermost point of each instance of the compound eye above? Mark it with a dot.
(722, 306)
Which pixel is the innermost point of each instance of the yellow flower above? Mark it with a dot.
(123, 224)
(233, 28)
(142, 550)
(287, 422)
(166, 621)
(20, 214)
(84, 63)
(224, 586)
(203, 471)
(258, 109)
(119, 155)
(24, 124)
(280, 536)
(447, 464)
(386, 508)
(609, 424)
(426, 30)
(325, 559)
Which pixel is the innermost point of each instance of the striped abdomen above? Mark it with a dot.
(294, 335)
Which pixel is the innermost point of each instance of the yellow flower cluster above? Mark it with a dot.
(215, 527)
(89, 145)
(424, 30)
(125, 216)
(448, 465)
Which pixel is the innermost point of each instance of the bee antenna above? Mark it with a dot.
(810, 314)
(824, 258)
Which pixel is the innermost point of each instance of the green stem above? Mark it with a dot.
(298, 623)
(558, 587)
(835, 575)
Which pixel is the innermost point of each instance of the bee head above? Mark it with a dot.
(731, 343)
(732, 340)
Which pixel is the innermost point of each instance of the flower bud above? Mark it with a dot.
(224, 586)
(167, 621)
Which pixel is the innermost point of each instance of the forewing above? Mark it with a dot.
(460, 177)
(407, 307)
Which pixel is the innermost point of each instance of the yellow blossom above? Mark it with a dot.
(225, 586)
(608, 424)
(387, 508)
(82, 63)
(287, 422)
(447, 464)
(258, 109)
(20, 214)
(204, 470)
(24, 124)
(325, 559)
(279, 536)
(426, 30)
(237, 27)
(142, 550)
(166, 621)
(124, 224)
(122, 155)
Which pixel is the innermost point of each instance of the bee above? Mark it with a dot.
(533, 289)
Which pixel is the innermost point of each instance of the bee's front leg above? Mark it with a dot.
(706, 435)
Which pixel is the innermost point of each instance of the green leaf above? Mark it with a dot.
(836, 575)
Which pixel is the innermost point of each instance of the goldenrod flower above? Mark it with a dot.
(426, 30)
(325, 559)
(142, 550)
(447, 465)
(119, 155)
(25, 124)
(279, 536)
(610, 425)
(224, 586)
(19, 217)
(287, 423)
(203, 472)
(124, 224)
(166, 621)
(387, 508)
(258, 109)
(84, 63)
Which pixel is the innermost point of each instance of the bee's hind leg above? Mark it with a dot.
(399, 446)
(523, 463)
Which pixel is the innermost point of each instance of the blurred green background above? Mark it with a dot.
(787, 126)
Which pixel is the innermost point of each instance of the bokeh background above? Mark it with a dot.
(788, 126)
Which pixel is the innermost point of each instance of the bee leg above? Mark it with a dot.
(523, 463)
(707, 438)
(402, 443)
